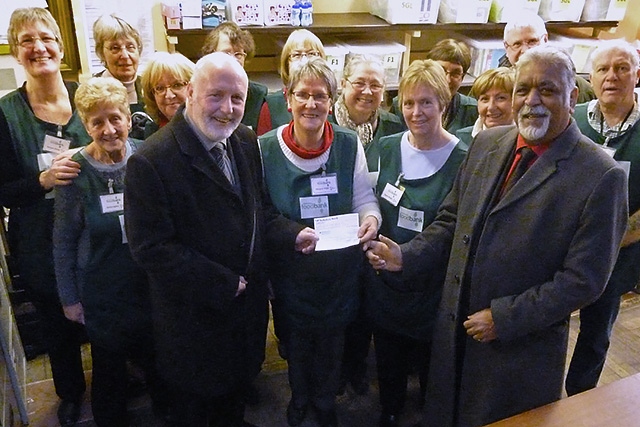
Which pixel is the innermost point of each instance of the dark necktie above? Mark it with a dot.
(219, 154)
(526, 156)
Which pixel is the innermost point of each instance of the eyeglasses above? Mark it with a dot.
(116, 48)
(518, 45)
(454, 74)
(175, 88)
(303, 97)
(30, 42)
(295, 56)
(359, 85)
(238, 55)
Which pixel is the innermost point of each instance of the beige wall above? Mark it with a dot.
(340, 6)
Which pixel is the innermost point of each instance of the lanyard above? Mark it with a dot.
(619, 131)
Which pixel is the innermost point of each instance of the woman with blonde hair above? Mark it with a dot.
(99, 284)
(38, 123)
(164, 84)
(300, 46)
(493, 90)
(417, 170)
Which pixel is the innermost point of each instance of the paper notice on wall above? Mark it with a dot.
(7, 7)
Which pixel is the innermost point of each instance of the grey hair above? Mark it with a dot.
(367, 60)
(525, 19)
(552, 56)
(314, 67)
(621, 45)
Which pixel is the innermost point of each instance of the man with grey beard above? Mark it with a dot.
(519, 256)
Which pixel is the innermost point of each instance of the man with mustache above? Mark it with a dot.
(613, 120)
(198, 222)
(519, 257)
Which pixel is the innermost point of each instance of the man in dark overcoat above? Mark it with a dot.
(198, 219)
(520, 254)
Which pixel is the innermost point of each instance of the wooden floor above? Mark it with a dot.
(353, 410)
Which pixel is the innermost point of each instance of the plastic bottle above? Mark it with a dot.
(306, 14)
(296, 10)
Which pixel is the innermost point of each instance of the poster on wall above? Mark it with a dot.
(7, 7)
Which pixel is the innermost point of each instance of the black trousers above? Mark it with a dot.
(62, 339)
(110, 379)
(314, 362)
(590, 352)
(356, 348)
(397, 356)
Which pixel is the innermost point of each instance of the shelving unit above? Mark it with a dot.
(417, 38)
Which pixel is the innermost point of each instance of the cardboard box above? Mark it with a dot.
(191, 14)
(604, 10)
(389, 53)
(406, 11)
(485, 53)
(171, 10)
(245, 12)
(277, 12)
(561, 10)
(464, 11)
(580, 49)
(336, 57)
(502, 10)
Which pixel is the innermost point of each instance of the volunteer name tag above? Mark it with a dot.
(324, 184)
(392, 194)
(55, 145)
(112, 202)
(410, 219)
(314, 207)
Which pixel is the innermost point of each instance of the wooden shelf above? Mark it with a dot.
(349, 23)
(345, 26)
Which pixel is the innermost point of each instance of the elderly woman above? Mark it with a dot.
(229, 38)
(417, 170)
(98, 283)
(119, 47)
(38, 123)
(318, 302)
(300, 46)
(164, 84)
(493, 90)
(358, 106)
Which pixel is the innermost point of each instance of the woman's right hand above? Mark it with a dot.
(74, 312)
(63, 171)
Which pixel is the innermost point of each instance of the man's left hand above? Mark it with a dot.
(480, 326)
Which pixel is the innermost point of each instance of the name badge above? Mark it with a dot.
(112, 202)
(324, 184)
(626, 165)
(410, 219)
(314, 207)
(55, 145)
(122, 230)
(393, 194)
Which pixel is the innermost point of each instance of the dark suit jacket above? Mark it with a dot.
(195, 236)
(544, 250)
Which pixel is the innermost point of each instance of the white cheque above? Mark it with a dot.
(337, 232)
